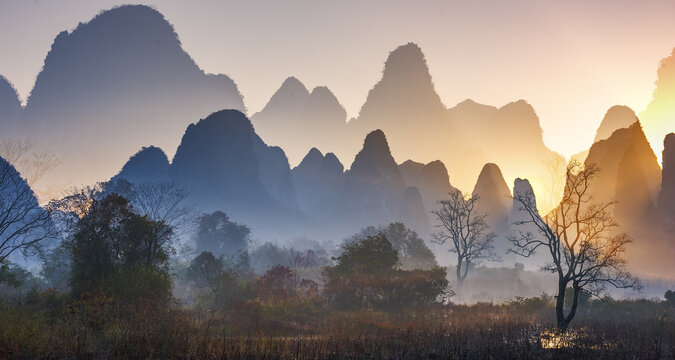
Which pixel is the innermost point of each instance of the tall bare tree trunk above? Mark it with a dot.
(559, 306)
(460, 279)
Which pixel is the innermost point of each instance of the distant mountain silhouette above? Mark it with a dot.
(318, 182)
(431, 179)
(275, 173)
(493, 133)
(658, 119)
(617, 117)
(149, 165)
(413, 213)
(522, 187)
(495, 197)
(628, 168)
(298, 120)
(374, 188)
(667, 196)
(115, 83)
(496, 202)
(405, 105)
(10, 106)
(630, 175)
(218, 164)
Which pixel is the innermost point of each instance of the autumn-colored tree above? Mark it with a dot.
(586, 253)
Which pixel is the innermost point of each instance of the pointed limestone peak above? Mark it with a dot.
(150, 164)
(491, 182)
(331, 164)
(313, 157)
(617, 117)
(10, 106)
(291, 96)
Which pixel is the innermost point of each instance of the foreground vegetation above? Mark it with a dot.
(48, 325)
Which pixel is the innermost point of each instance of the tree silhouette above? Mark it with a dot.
(24, 225)
(218, 234)
(115, 249)
(466, 229)
(585, 252)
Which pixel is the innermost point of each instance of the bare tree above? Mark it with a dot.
(578, 234)
(163, 202)
(466, 229)
(24, 225)
(33, 166)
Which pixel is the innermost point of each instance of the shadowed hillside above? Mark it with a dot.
(123, 75)
(10, 107)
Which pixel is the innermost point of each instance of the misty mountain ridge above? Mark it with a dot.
(10, 105)
(149, 165)
(298, 120)
(123, 74)
(617, 117)
(318, 180)
(432, 181)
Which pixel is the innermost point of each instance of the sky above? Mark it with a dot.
(571, 60)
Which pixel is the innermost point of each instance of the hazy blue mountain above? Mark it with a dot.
(298, 120)
(218, 164)
(149, 165)
(118, 81)
(374, 186)
(10, 106)
(275, 174)
(413, 213)
(318, 182)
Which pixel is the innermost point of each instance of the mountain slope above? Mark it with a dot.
(318, 182)
(118, 81)
(149, 165)
(510, 136)
(494, 197)
(430, 179)
(405, 105)
(10, 106)
(374, 187)
(218, 164)
(298, 120)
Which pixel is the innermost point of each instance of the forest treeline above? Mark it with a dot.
(117, 282)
